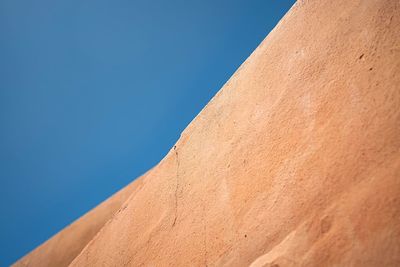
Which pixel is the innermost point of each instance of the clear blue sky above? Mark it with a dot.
(94, 93)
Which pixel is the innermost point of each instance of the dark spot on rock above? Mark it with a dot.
(326, 224)
(360, 57)
(245, 235)
(370, 68)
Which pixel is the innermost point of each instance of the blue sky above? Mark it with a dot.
(94, 93)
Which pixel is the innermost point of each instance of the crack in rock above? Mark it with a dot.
(205, 234)
(177, 186)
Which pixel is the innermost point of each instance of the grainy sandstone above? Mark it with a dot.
(295, 162)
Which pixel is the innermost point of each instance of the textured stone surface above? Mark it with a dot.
(296, 161)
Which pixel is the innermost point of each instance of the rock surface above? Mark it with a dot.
(295, 162)
(62, 248)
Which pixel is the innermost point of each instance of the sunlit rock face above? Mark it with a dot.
(295, 162)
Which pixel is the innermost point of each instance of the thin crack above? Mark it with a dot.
(177, 186)
(205, 234)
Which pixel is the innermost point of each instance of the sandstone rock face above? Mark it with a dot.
(295, 162)
(62, 248)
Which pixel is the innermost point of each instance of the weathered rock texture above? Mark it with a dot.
(295, 162)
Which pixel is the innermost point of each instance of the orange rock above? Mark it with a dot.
(295, 162)
(62, 248)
